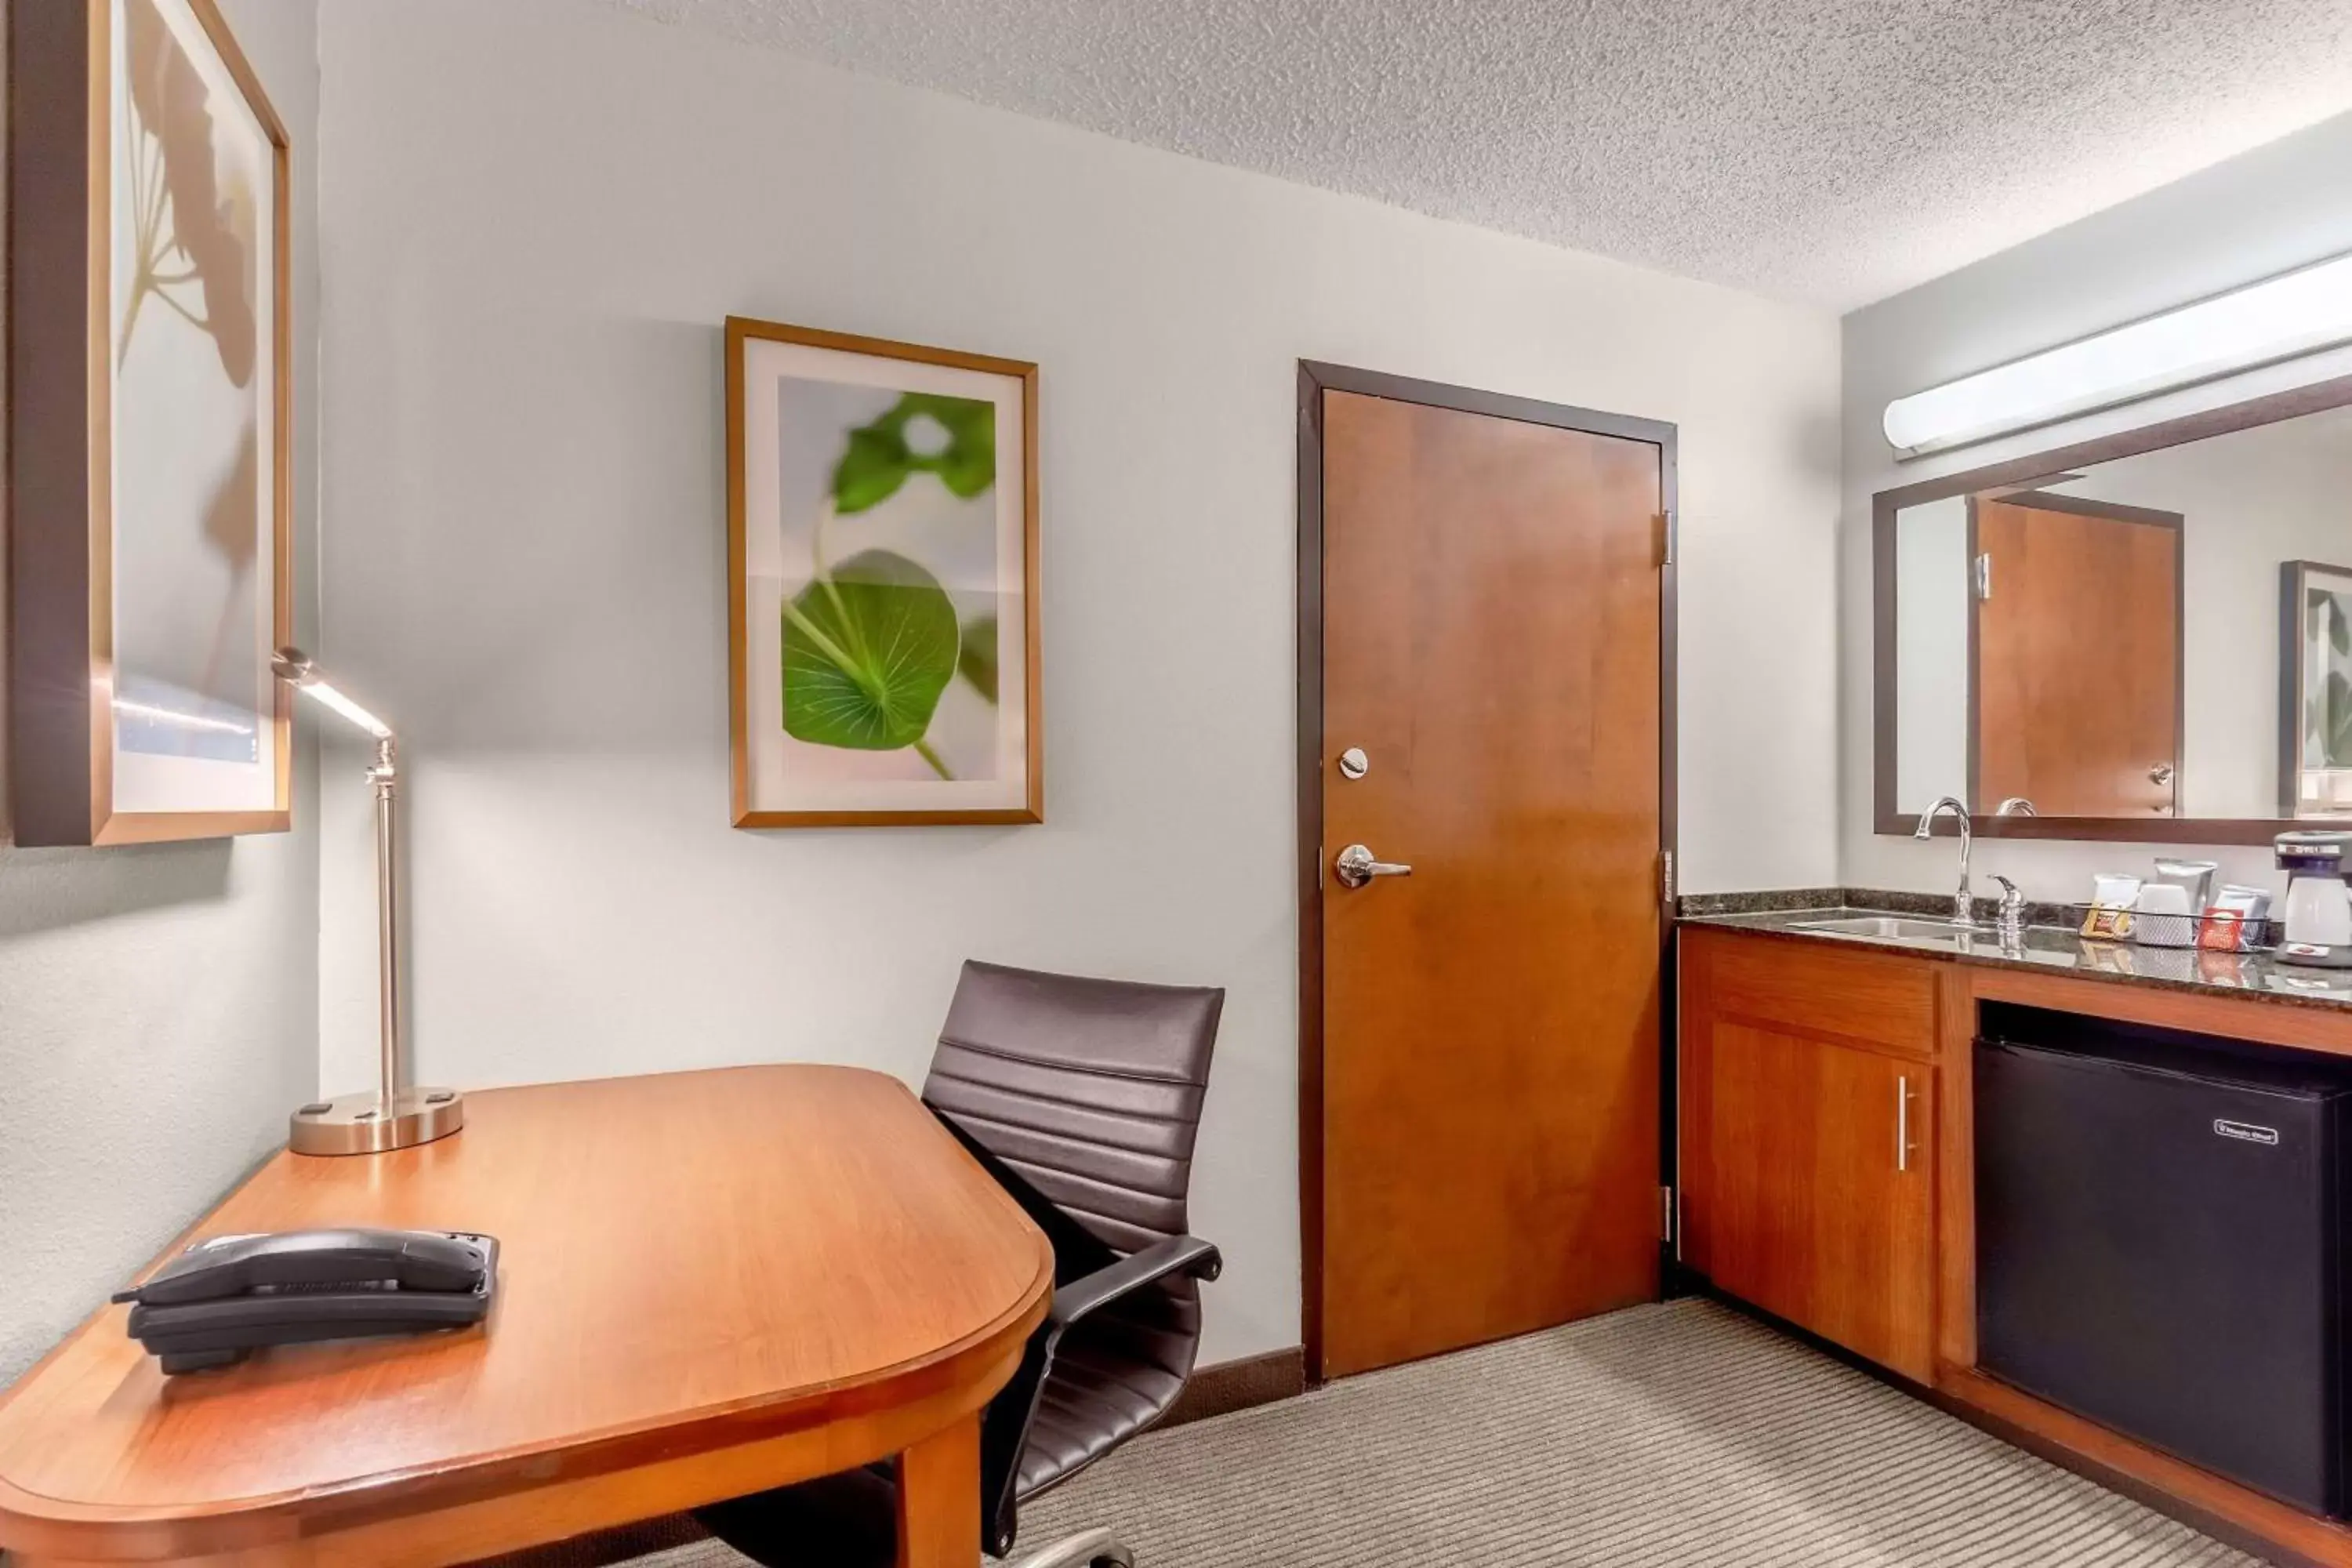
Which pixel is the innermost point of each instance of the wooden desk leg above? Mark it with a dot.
(939, 1499)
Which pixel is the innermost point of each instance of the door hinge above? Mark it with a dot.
(1666, 531)
(1984, 577)
(1666, 877)
(1666, 1214)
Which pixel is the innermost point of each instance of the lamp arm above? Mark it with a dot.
(394, 1116)
(385, 776)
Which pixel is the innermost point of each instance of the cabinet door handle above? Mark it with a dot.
(1902, 1122)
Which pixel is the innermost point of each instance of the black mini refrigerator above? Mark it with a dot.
(2159, 1242)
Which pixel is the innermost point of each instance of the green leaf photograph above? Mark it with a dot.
(2328, 677)
(954, 438)
(869, 647)
(885, 514)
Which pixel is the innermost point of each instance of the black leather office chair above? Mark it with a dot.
(1082, 1098)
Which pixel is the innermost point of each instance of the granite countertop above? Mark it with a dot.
(2048, 945)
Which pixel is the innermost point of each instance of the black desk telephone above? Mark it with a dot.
(223, 1298)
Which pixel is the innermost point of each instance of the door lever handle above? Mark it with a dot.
(1355, 866)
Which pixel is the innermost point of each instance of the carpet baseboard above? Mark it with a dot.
(1232, 1385)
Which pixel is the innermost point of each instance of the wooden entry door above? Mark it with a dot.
(2078, 656)
(1483, 1136)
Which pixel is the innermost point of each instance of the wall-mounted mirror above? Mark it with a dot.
(2147, 636)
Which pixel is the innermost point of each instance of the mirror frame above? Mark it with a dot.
(2315, 398)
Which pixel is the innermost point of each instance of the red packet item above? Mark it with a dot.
(2234, 919)
(2220, 930)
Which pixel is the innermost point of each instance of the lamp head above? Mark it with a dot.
(293, 666)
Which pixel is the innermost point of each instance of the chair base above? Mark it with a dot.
(1088, 1548)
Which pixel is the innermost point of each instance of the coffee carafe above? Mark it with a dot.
(2318, 911)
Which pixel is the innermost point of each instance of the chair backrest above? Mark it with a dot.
(1083, 1098)
(1089, 1089)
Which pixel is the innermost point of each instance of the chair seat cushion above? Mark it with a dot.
(1102, 1391)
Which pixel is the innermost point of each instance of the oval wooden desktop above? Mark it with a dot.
(710, 1283)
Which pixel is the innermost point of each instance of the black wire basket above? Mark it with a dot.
(2145, 930)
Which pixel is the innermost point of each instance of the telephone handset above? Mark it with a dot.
(223, 1298)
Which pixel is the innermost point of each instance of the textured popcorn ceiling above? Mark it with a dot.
(1832, 151)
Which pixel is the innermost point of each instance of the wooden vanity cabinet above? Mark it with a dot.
(1808, 1104)
(1800, 1060)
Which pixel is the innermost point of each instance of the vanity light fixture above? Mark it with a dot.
(388, 1117)
(2295, 314)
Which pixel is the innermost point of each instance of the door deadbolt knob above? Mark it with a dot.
(1355, 866)
(1353, 763)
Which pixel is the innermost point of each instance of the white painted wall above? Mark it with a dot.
(2279, 206)
(537, 216)
(159, 1005)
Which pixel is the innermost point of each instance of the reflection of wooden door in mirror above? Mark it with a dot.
(2077, 642)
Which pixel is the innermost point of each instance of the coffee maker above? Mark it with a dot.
(2318, 904)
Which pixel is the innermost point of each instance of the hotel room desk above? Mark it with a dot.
(710, 1283)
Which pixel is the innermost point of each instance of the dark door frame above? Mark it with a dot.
(1315, 378)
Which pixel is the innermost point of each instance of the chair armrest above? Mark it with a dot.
(1184, 1255)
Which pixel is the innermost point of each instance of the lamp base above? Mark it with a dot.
(362, 1124)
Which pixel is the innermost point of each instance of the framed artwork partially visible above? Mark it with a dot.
(149, 429)
(882, 581)
(2314, 689)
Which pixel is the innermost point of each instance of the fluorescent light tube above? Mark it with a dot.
(2295, 314)
(350, 710)
(293, 666)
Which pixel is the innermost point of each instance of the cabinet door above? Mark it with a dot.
(1822, 1208)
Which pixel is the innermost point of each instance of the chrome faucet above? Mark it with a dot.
(2012, 925)
(1964, 903)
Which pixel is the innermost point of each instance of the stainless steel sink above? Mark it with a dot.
(1890, 928)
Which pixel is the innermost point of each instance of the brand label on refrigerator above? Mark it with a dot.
(2246, 1131)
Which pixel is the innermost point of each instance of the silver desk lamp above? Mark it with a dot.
(389, 1117)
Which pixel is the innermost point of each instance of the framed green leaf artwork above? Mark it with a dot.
(882, 581)
(2314, 689)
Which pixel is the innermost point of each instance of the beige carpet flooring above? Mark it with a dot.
(1673, 1435)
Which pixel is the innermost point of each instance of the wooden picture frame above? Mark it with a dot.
(882, 583)
(149, 455)
(2296, 581)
